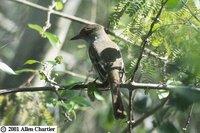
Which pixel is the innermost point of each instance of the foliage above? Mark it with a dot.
(171, 56)
(6, 68)
(174, 39)
(53, 39)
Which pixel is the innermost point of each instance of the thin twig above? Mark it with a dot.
(76, 19)
(48, 23)
(145, 39)
(140, 120)
(3, 45)
(191, 11)
(130, 112)
(188, 118)
(44, 88)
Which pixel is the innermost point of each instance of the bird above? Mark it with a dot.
(106, 58)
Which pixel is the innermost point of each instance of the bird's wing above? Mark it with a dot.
(98, 63)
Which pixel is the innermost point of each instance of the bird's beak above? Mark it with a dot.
(76, 37)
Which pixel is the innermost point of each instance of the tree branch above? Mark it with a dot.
(130, 114)
(79, 86)
(188, 119)
(76, 19)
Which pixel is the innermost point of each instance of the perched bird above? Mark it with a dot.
(107, 61)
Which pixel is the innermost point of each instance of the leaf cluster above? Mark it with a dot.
(171, 54)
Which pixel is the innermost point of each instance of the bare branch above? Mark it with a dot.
(79, 86)
(76, 19)
(130, 114)
(44, 88)
(188, 118)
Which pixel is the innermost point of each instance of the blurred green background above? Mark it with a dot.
(171, 56)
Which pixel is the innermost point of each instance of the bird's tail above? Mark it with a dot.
(118, 108)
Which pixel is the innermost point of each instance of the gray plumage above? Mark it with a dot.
(107, 61)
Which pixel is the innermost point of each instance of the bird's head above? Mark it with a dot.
(89, 32)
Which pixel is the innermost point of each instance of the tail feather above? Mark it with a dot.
(118, 108)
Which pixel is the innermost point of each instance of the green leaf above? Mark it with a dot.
(42, 76)
(175, 5)
(93, 92)
(35, 27)
(25, 71)
(52, 62)
(6, 68)
(50, 105)
(98, 96)
(59, 5)
(73, 113)
(162, 94)
(81, 101)
(30, 62)
(173, 82)
(68, 106)
(90, 91)
(171, 4)
(157, 42)
(54, 40)
(59, 59)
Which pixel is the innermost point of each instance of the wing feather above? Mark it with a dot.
(98, 63)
